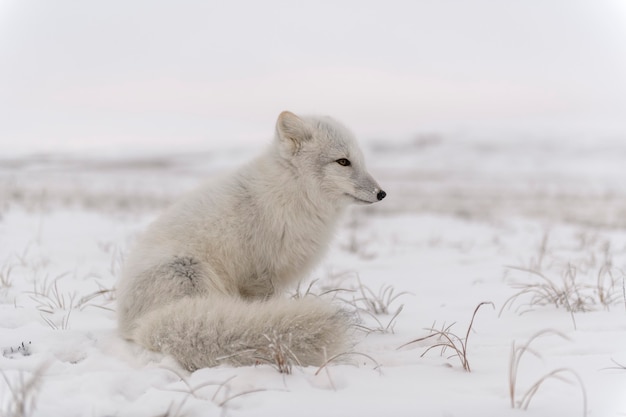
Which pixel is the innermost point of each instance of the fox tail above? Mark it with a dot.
(209, 331)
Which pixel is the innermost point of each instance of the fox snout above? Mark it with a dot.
(373, 195)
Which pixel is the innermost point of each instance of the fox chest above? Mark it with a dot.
(285, 256)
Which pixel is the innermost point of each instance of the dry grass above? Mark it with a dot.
(63, 324)
(278, 353)
(618, 366)
(373, 304)
(18, 261)
(364, 301)
(608, 288)
(221, 397)
(566, 292)
(341, 356)
(380, 327)
(517, 352)
(579, 279)
(356, 244)
(569, 291)
(116, 252)
(300, 292)
(376, 302)
(49, 298)
(5, 276)
(104, 295)
(445, 340)
(22, 393)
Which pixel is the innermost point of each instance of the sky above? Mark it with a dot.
(191, 74)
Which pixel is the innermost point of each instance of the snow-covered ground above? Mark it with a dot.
(468, 219)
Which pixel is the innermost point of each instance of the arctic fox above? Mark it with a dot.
(203, 284)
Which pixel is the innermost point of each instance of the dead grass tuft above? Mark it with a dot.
(445, 340)
(517, 352)
(50, 300)
(22, 393)
(341, 356)
(376, 302)
(364, 301)
(577, 279)
(278, 353)
(569, 292)
(5, 276)
(221, 396)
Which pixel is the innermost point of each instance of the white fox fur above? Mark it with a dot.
(203, 284)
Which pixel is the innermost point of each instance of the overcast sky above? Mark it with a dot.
(129, 74)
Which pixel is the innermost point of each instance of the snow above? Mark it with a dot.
(466, 218)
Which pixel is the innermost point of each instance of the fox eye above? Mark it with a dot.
(343, 162)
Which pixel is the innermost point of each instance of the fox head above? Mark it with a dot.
(321, 150)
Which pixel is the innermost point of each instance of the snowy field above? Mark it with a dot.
(536, 226)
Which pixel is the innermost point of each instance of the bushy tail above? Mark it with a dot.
(201, 332)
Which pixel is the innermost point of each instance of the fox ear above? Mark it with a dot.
(292, 131)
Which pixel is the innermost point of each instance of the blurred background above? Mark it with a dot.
(120, 76)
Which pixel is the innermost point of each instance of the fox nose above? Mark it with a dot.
(381, 194)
